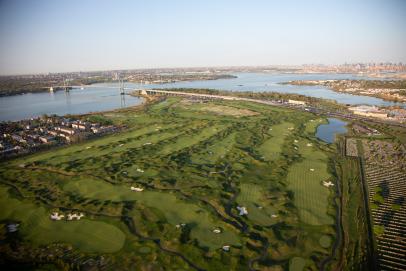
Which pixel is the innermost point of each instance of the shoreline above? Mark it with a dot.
(43, 89)
(359, 92)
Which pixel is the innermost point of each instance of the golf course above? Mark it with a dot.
(170, 186)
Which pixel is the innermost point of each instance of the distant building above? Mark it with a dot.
(31, 126)
(66, 130)
(53, 133)
(66, 122)
(46, 139)
(81, 125)
(296, 102)
(102, 129)
(18, 138)
(369, 111)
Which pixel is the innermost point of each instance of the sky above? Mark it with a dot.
(44, 36)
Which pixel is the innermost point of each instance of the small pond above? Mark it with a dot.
(327, 132)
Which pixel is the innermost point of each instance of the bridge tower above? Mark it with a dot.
(65, 85)
(122, 89)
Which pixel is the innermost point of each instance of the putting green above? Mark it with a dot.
(325, 241)
(313, 124)
(36, 226)
(297, 264)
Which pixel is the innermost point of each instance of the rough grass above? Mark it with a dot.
(259, 211)
(297, 264)
(215, 151)
(272, 147)
(36, 226)
(190, 139)
(176, 211)
(228, 110)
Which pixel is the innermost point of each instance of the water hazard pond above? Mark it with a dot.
(327, 132)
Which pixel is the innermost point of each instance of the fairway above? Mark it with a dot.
(215, 151)
(272, 147)
(191, 139)
(305, 180)
(36, 226)
(252, 197)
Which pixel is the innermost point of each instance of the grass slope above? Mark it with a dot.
(36, 226)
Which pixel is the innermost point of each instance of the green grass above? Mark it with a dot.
(272, 147)
(252, 197)
(190, 141)
(325, 241)
(297, 264)
(378, 230)
(105, 145)
(176, 211)
(36, 226)
(313, 124)
(305, 180)
(215, 151)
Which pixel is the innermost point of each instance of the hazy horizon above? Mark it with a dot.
(54, 36)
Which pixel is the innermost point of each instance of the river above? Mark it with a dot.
(101, 97)
(271, 82)
(76, 101)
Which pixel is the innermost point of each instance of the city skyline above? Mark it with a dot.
(105, 35)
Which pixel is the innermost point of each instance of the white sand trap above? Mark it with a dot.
(136, 189)
(327, 184)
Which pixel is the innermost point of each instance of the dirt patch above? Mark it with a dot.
(228, 110)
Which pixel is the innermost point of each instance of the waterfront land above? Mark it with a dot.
(13, 85)
(192, 184)
(391, 90)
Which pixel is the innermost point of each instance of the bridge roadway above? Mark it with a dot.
(205, 96)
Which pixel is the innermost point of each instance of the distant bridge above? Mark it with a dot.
(204, 96)
(233, 98)
(174, 93)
